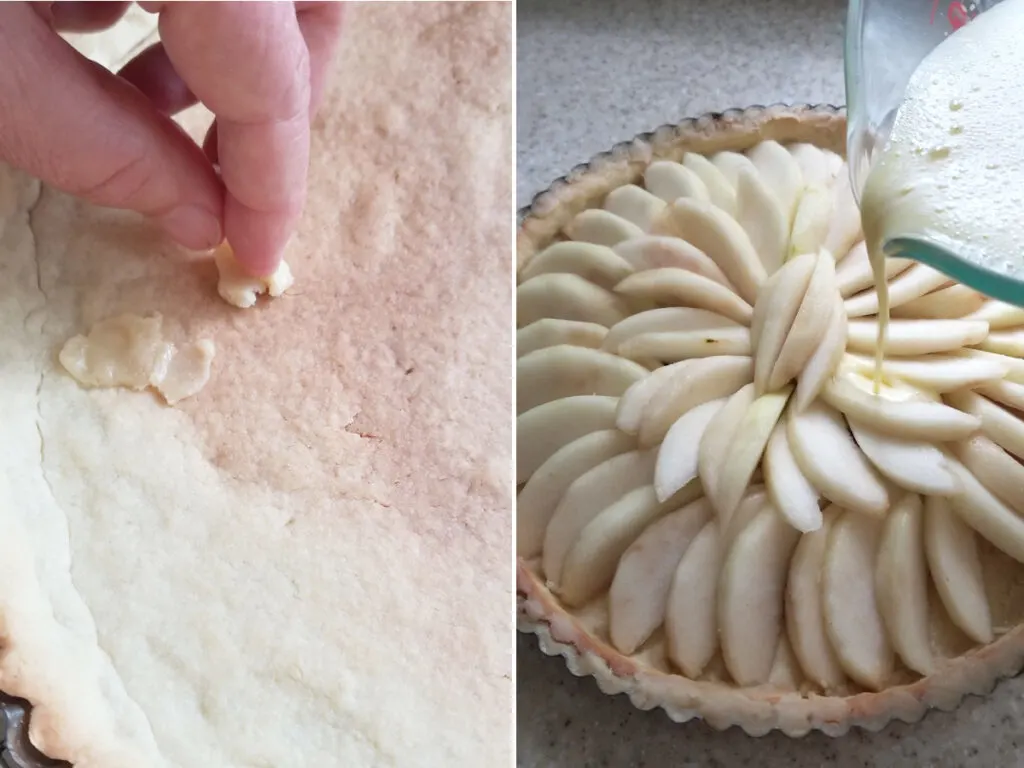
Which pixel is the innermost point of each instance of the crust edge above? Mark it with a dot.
(757, 711)
(735, 129)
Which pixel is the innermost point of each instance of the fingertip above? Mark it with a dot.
(193, 226)
(257, 239)
(259, 264)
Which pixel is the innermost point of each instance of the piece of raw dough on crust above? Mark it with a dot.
(240, 289)
(306, 564)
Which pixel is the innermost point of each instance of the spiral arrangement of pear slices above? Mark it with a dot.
(700, 445)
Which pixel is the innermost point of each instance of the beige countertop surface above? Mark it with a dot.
(591, 74)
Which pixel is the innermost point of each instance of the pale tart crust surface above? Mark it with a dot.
(577, 634)
(305, 564)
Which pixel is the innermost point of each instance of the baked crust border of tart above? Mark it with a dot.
(756, 710)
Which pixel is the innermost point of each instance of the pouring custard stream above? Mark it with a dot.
(952, 170)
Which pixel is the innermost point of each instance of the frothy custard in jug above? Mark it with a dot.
(952, 171)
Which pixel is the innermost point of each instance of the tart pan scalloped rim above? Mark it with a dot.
(16, 751)
(757, 712)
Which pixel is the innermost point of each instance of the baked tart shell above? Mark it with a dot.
(759, 709)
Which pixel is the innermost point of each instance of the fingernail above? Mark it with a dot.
(193, 226)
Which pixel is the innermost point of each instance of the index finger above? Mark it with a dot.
(248, 63)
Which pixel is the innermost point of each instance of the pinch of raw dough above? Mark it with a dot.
(187, 371)
(130, 351)
(239, 288)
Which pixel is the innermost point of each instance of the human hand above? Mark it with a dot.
(259, 67)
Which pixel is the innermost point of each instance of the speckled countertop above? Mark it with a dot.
(595, 72)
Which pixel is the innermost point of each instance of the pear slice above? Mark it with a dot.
(999, 425)
(1009, 343)
(789, 490)
(718, 235)
(567, 297)
(601, 228)
(810, 323)
(729, 164)
(537, 501)
(657, 252)
(780, 172)
(543, 430)
(954, 301)
(914, 465)
(913, 420)
(745, 450)
(760, 311)
(852, 619)
(721, 192)
(836, 165)
(591, 562)
(1003, 391)
(952, 552)
(901, 584)
(707, 378)
(832, 462)
(673, 346)
(824, 360)
(1013, 366)
(679, 451)
(637, 398)
(845, 227)
(995, 469)
(677, 286)
(889, 388)
(980, 509)
(691, 625)
(805, 622)
(670, 181)
(915, 337)
(785, 674)
(940, 373)
(998, 315)
(550, 332)
(563, 371)
(907, 286)
(586, 498)
(755, 500)
(759, 213)
(597, 263)
(665, 320)
(853, 274)
(775, 311)
(814, 167)
(634, 204)
(639, 593)
(750, 596)
(811, 221)
(719, 435)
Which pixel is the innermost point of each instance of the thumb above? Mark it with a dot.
(81, 129)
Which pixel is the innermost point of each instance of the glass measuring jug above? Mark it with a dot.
(885, 42)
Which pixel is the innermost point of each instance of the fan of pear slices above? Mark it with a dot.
(708, 481)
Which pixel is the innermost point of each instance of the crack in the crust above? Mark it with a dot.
(18, 749)
(24, 754)
(29, 214)
(42, 441)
